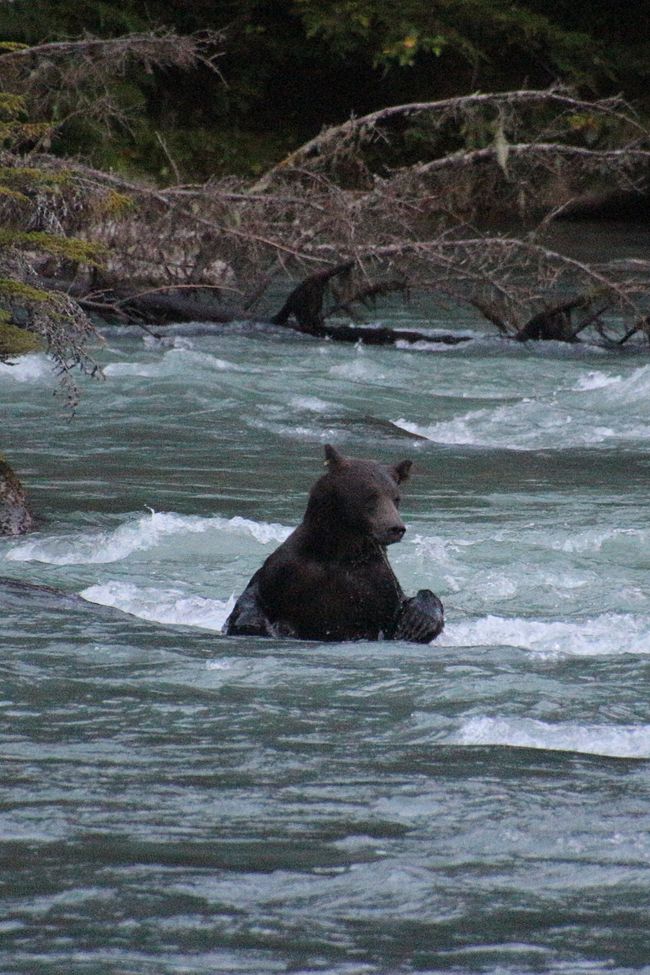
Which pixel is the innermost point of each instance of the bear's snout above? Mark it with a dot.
(394, 533)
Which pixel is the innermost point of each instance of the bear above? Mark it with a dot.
(331, 579)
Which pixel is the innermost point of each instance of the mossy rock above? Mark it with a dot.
(17, 341)
(15, 516)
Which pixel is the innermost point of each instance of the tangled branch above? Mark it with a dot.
(213, 250)
(62, 80)
(510, 108)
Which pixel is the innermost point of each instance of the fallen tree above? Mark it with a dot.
(219, 250)
(334, 216)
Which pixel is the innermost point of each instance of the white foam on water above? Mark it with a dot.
(311, 404)
(595, 380)
(262, 531)
(176, 362)
(291, 431)
(145, 369)
(170, 606)
(598, 408)
(623, 399)
(526, 425)
(358, 369)
(167, 342)
(435, 550)
(589, 540)
(608, 634)
(551, 349)
(633, 389)
(451, 431)
(32, 368)
(139, 534)
(630, 546)
(430, 345)
(613, 741)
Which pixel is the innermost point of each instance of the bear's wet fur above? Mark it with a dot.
(331, 580)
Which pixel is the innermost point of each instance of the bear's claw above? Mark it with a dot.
(421, 618)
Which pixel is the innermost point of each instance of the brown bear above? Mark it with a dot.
(331, 580)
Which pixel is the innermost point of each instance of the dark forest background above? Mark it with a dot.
(290, 67)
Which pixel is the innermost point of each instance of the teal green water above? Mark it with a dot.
(174, 801)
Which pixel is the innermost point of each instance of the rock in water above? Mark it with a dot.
(15, 516)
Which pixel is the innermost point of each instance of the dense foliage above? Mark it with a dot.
(47, 205)
(292, 66)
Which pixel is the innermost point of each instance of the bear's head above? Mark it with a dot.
(358, 496)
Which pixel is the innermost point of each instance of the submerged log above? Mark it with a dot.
(553, 324)
(302, 312)
(305, 306)
(370, 335)
(305, 302)
(548, 326)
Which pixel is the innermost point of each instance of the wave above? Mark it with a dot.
(633, 389)
(310, 404)
(176, 362)
(32, 368)
(595, 380)
(607, 634)
(625, 546)
(141, 534)
(431, 342)
(527, 425)
(361, 368)
(168, 606)
(599, 408)
(613, 741)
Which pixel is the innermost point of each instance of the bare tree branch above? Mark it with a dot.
(409, 229)
(364, 129)
(160, 48)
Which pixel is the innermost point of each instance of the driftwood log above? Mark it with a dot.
(303, 312)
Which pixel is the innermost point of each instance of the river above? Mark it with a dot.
(175, 801)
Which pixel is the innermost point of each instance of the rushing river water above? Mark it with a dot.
(175, 801)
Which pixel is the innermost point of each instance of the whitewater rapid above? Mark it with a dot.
(178, 800)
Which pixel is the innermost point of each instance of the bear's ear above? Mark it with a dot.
(402, 470)
(334, 460)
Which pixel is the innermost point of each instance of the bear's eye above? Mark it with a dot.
(396, 500)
